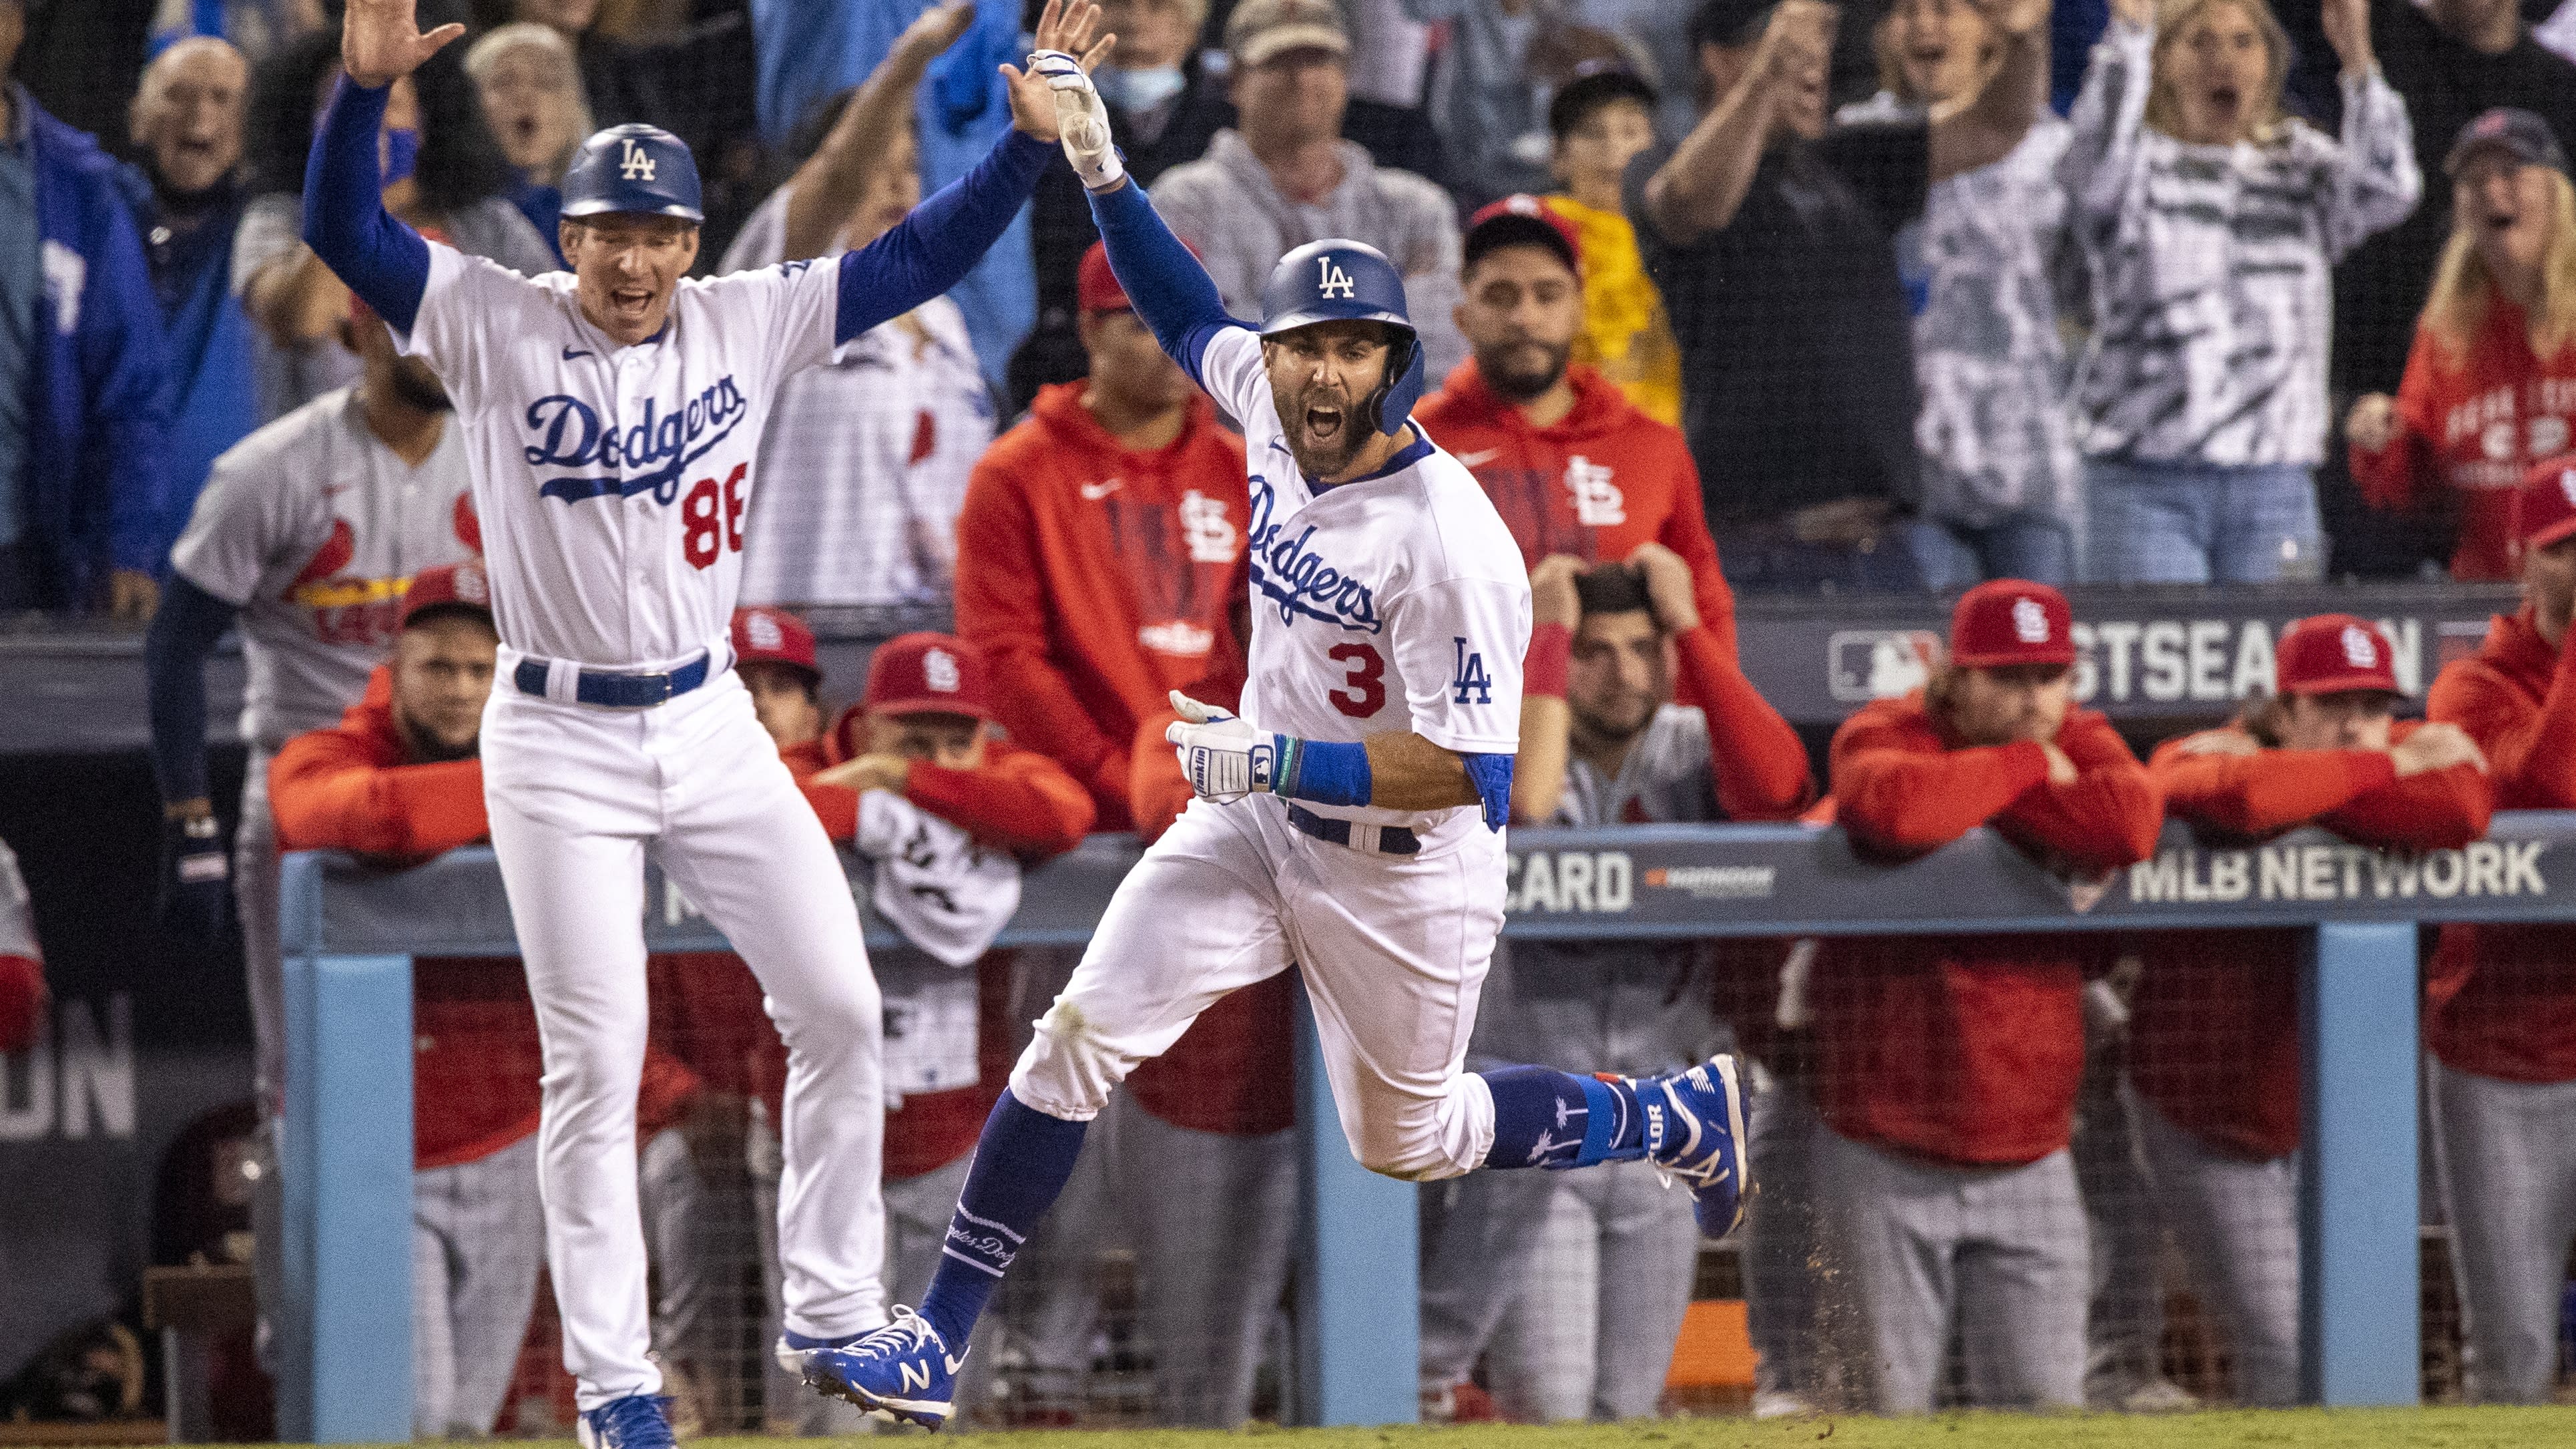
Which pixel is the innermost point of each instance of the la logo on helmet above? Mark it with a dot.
(1336, 282)
(2030, 621)
(637, 164)
(2358, 651)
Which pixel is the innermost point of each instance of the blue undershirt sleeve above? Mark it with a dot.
(1163, 281)
(345, 222)
(933, 248)
(183, 633)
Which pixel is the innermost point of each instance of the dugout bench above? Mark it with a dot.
(351, 933)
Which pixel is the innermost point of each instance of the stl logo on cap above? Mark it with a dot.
(2358, 649)
(763, 632)
(2030, 621)
(939, 670)
(471, 585)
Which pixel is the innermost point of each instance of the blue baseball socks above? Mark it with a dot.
(1548, 1118)
(1022, 1162)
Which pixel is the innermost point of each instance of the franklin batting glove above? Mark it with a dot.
(1080, 119)
(1224, 758)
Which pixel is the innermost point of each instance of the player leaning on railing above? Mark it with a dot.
(613, 419)
(1362, 840)
(2214, 1024)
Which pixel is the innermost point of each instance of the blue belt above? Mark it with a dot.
(611, 690)
(1391, 839)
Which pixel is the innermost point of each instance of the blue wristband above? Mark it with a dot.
(1317, 770)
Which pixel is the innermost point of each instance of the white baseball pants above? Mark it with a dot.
(1393, 950)
(577, 794)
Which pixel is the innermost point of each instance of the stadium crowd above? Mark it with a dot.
(1786, 298)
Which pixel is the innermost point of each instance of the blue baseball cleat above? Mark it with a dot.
(1695, 1133)
(902, 1369)
(793, 1346)
(638, 1421)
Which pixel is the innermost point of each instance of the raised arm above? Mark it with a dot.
(2109, 122)
(1698, 190)
(1164, 282)
(935, 247)
(833, 181)
(345, 222)
(1757, 762)
(1982, 130)
(2376, 178)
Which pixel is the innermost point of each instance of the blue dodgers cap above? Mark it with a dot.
(1339, 280)
(633, 168)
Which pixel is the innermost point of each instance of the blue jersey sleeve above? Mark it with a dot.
(345, 222)
(934, 248)
(1162, 280)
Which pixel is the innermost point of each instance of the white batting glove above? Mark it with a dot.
(1080, 119)
(1224, 758)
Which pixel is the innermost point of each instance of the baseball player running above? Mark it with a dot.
(1357, 833)
(612, 417)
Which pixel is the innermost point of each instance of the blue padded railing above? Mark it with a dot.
(351, 934)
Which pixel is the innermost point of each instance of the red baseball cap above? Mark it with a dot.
(2544, 507)
(2332, 654)
(928, 674)
(1096, 287)
(2004, 622)
(1516, 221)
(453, 588)
(773, 636)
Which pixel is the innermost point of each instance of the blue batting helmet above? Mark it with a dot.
(1348, 281)
(635, 168)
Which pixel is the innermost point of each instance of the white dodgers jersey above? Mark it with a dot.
(1395, 602)
(614, 483)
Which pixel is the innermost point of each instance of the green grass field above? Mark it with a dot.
(2292, 1429)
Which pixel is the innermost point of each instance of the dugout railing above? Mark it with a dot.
(351, 934)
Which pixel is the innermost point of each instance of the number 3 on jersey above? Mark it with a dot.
(711, 523)
(1363, 691)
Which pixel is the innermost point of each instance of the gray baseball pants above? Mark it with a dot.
(2237, 1222)
(2507, 1153)
(1590, 1332)
(478, 1233)
(2000, 1252)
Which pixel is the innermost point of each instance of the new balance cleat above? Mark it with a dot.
(902, 1370)
(793, 1346)
(638, 1421)
(1695, 1135)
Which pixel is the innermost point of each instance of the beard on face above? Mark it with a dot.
(1622, 717)
(424, 747)
(1521, 370)
(416, 386)
(1325, 454)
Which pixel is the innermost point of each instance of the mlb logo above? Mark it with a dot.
(939, 671)
(2030, 621)
(2358, 650)
(1866, 664)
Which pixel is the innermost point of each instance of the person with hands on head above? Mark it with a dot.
(2490, 387)
(2209, 222)
(1390, 620)
(620, 727)
(1572, 465)
(1948, 1065)
(2213, 1033)
(1602, 744)
(2500, 1005)
(1768, 222)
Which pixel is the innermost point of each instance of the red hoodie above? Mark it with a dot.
(476, 1060)
(2502, 1000)
(1968, 1049)
(2214, 1027)
(1595, 483)
(1098, 579)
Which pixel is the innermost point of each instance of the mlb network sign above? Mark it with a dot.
(2338, 873)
